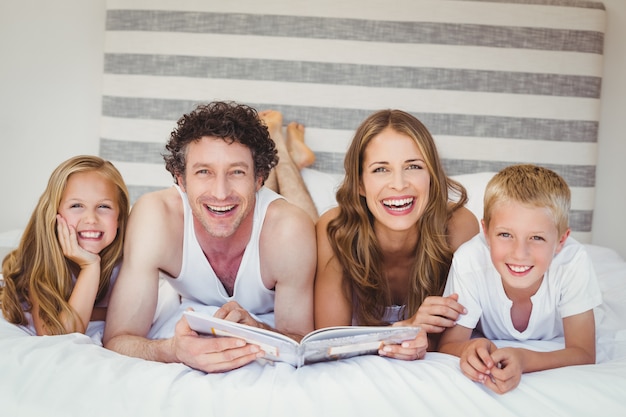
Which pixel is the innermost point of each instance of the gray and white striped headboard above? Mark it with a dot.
(496, 82)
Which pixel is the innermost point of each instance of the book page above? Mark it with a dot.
(346, 342)
(277, 347)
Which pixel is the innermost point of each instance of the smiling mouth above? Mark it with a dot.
(398, 204)
(220, 209)
(519, 269)
(90, 235)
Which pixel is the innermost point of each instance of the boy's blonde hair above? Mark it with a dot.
(531, 185)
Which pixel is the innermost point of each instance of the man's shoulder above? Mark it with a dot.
(286, 221)
(165, 201)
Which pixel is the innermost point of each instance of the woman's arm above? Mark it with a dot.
(462, 226)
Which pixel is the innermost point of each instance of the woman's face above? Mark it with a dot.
(395, 180)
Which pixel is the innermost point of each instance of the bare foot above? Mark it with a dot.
(300, 153)
(274, 121)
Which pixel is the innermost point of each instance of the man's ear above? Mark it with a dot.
(180, 181)
(259, 183)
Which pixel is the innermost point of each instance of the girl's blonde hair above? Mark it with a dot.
(531, 185)
(38, 270)
(352, 235)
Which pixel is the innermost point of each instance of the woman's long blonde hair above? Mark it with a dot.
(352, 235)
(38, 270)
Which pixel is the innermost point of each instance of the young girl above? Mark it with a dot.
(58, 278)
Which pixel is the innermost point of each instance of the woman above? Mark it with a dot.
(385, 251)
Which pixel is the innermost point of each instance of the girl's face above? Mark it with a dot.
(89, 205)
(395, 181)
(522, 241)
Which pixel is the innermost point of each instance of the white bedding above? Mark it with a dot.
(73, 375)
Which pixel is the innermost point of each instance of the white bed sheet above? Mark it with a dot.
(73, 375)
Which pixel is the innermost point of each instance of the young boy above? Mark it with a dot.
(524, 279)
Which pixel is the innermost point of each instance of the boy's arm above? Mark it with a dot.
(580, 346)
(475, 354)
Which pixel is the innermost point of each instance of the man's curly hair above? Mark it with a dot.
(229, 121)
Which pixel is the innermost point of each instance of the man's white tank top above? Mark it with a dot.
(198, 283)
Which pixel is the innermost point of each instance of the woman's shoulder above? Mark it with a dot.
(462, 226)
(326, 218)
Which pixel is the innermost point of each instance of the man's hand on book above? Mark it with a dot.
(232, 311)
(211, 354)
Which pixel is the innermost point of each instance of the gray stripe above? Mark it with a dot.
(332, 162)
(127, 151)
(349, 119)
(581, 220)
(356, 29)
(354, 74)
(565, 3)
(137, 191)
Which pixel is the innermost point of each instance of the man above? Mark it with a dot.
(221, 239)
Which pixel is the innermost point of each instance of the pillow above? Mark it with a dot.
(475, 185)
(322, 187)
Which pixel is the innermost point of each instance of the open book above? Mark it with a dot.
(320, 345)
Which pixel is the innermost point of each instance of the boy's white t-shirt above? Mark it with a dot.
(569, 287)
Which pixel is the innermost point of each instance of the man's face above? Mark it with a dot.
(220, 184)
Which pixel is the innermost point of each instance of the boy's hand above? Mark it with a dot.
(476, 360)
(508, 374)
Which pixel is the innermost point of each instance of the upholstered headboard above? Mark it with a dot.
(496, 82)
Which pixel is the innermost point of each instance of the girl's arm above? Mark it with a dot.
(85, 290)
(333, 302)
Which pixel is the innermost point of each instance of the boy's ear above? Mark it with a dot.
(562, 241)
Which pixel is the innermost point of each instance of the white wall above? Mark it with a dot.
(50, 81)
(51, 59)
(609, 222)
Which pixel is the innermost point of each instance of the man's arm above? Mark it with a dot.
(288, 259)
(152, 245)
(135, 294)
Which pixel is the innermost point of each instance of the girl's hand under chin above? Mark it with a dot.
(70, 246)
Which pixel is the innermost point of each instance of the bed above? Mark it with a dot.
(496, 82)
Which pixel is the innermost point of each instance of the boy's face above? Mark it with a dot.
(522, 240)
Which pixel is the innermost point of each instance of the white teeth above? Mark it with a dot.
(395, 204)
(519, 269)
(220, 209)
(90, 235)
